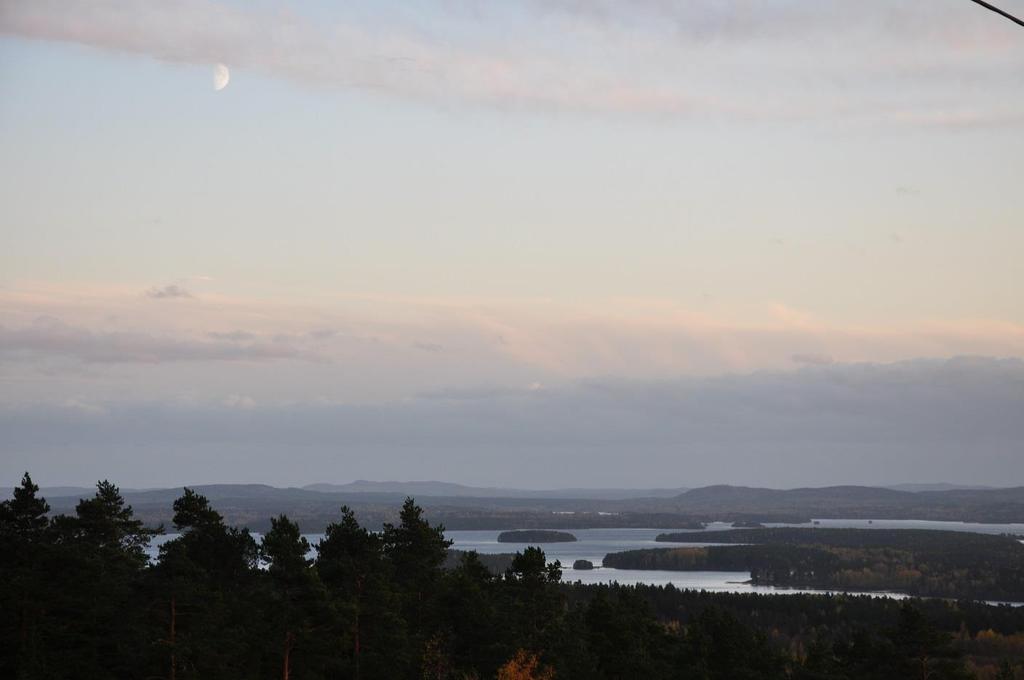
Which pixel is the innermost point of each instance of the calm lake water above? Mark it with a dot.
(594, 544)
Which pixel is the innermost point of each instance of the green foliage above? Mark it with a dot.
(106, 523)
(285, 548)
(919, 562)
(24, 575)
(531, 569)
(23, 517)
(193, 510)
(71, 585)
(722, 648)
(416, 549)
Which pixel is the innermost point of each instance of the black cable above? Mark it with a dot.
(999, 11)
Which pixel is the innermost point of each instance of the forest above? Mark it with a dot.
(81, 599)
(919, 562)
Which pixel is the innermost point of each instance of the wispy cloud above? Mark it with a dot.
(51, 337)
(232, 336)
(794, 59)
(813, 359)
(170, 291)
(404, 341)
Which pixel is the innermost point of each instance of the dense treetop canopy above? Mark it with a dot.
(81, 600)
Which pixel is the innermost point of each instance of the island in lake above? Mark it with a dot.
(583, 565)
(919, 562)
(535, 536)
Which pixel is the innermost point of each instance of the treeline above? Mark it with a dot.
(928, 541)
(252, 506)
(918, 562)
(796, 615)
(733, 503)
(496, 563)
(80, 599)
(823, 630)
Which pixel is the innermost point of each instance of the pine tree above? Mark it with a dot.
(106, 523)
(23, 535)
(416, 550)
(296, 599)
(369, 629)
(23, 516)
(204, 609)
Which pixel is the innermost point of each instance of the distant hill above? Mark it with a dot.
(451, 490)
(61, 491)
(253, 505)
(466, 507)
(846, 502)
(212, 491)
(744, 498)
(941, 486)
(427, 488)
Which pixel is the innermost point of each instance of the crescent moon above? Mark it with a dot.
(221, 77)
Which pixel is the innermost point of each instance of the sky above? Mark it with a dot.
(530, 243)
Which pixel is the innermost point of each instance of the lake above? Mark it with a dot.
(594, 544)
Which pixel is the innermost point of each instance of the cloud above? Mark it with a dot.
(475, 394)
(170, 291)
(812, 359)
(845, 423)
(745, 59)
(85, 407)
(404, 346)
(232, 336)
(49, 337)
(239, 401)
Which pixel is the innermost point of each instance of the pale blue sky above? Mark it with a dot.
(390, 200)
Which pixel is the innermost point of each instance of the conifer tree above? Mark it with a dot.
(23, 516)
(23, 533)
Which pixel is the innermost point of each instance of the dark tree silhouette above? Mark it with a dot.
(80, 600)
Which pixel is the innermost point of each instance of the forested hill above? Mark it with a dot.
(919, 562)
(918, 539)
(848, 502)
(381, 490)
(435, 489)
(253, 505)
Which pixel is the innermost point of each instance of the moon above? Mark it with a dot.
(221, 77)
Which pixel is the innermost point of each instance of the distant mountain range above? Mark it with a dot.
(459, 506)
(845, 502)
(435, 489)
(451, 490)
(941, 486)
(425, 489)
